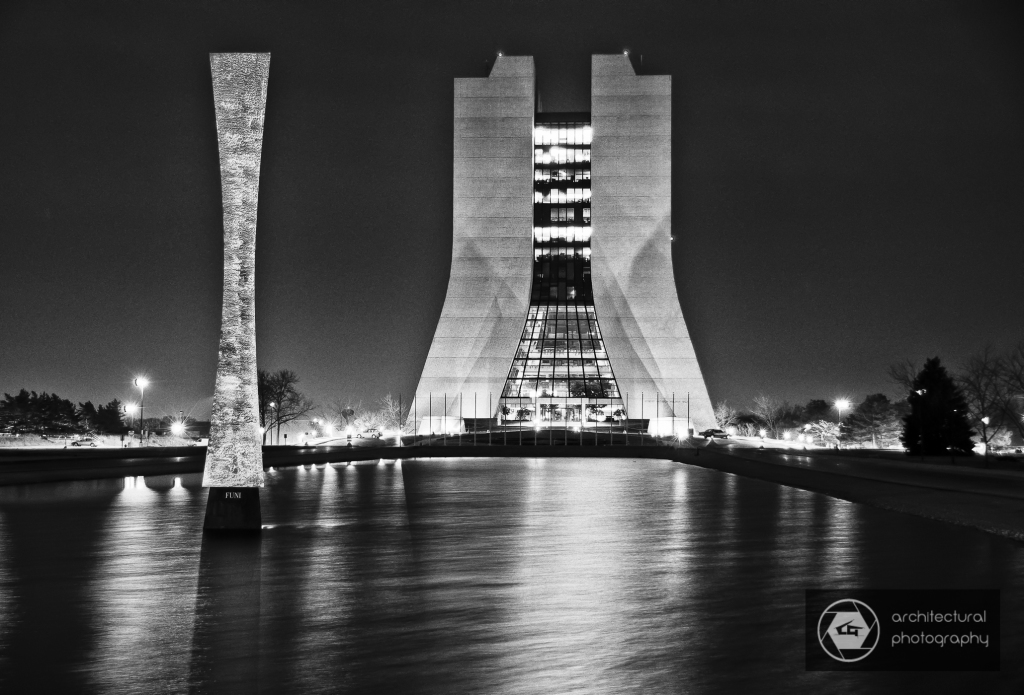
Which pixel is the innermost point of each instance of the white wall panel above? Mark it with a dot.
(634, 288)
(492, 249)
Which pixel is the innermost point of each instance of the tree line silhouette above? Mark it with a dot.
(29, 412)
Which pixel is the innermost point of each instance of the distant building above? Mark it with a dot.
(561, 307)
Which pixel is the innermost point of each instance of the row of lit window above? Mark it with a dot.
(568, 215)
(560, 253)
(561, 364)
(572, 330)
(561, 388)
(563, 368)
(561, 324)
(568, 292)
(569, 235)
(562, 332)
(561, 155)
(562, 196)
(563, 134)
(561, 175)
(565, 349)
(570, 313)
(525, 412)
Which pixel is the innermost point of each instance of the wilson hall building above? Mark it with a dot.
(561, 308)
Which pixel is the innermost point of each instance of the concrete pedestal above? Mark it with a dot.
(233, 509)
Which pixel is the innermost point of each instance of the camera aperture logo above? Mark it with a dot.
(848, 630)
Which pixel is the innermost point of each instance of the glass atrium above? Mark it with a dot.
(561, 375)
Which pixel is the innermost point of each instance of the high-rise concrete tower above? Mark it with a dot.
(234, 458)
(561, 307)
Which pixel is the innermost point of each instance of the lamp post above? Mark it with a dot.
(984, 436)
(130, 410)
(273, 406)
(142, 382)
(920, 419)
(841, 405)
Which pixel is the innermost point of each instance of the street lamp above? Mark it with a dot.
(841, 405)
(142, 382)
(129, 409)
(984, 436)
(273, 406)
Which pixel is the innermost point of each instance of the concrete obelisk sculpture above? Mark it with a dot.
(234, 458)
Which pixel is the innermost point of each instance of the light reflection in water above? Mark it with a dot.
(459, 575)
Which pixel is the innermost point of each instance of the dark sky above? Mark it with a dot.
(848, 184)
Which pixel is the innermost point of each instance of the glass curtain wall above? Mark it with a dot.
(560, 375)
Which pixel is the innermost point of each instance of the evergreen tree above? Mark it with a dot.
(937, 422)
(815, 410)
(875, 421)
(40, 413)
(87, 415)
(108, 418)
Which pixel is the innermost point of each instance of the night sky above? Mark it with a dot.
(848, 184)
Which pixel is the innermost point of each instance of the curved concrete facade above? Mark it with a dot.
(492, 245)
(634, 287)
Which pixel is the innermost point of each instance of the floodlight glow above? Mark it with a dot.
(142, 382)
(787, 434)
(178, 428)
(763, 433)
(731, 430)
(842, 404)
(131, 408)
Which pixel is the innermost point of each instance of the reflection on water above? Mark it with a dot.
(462, 575)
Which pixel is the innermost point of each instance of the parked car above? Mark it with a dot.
(86, 441)
(369, 433)
(714, 434)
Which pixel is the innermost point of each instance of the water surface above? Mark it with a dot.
(464, 575)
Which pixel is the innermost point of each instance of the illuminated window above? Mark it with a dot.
(561, 370)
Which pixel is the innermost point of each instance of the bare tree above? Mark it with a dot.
(825, 430)
(903, 374)
(768, 410)
(1012, 376)
(725, 415)
(344, 412)
(982, 378)
(280, 401)
(392, 413)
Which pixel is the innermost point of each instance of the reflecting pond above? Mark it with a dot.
(464, 575)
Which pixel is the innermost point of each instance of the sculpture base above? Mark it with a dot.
(233, 509)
